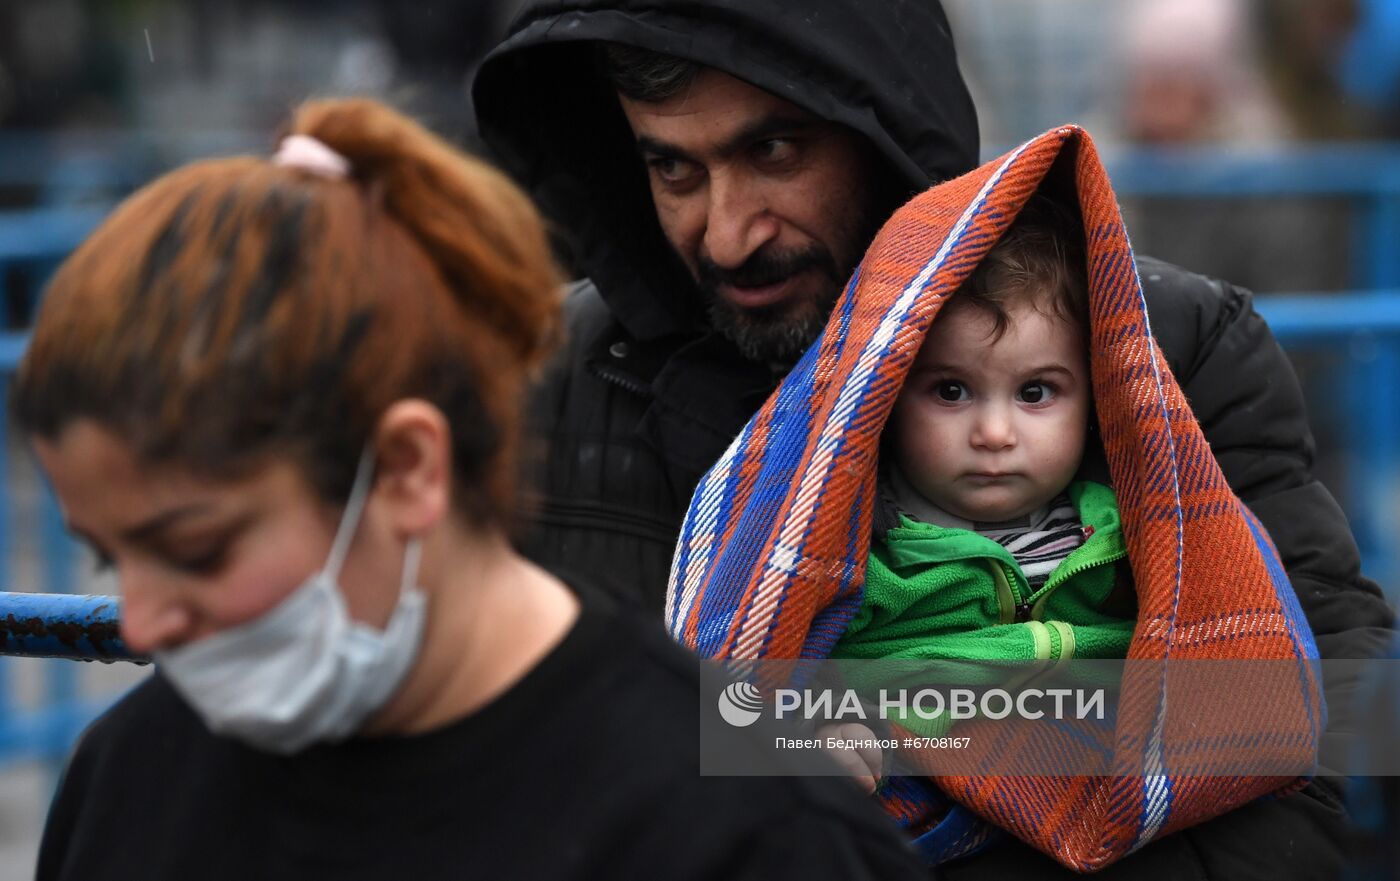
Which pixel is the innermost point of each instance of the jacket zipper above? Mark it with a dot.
(1017, 608)
(1008, 598)
(1035, 603)
(622, 380)
(1067, 644)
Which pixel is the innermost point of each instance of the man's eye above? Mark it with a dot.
(951, 391)
(671, 170)
(1036, 393)
(775, 151)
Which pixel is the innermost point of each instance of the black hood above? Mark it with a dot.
(885, 68)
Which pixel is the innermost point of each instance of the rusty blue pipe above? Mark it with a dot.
(55, 625)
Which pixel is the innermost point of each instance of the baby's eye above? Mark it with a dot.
(951, 391)
(1036, 393)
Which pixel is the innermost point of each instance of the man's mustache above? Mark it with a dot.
(765, 268)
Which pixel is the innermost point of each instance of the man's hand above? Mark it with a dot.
(861, 760)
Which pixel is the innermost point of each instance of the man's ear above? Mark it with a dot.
(413, 474)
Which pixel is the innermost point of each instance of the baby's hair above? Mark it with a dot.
(239, 309)
(1039, 261)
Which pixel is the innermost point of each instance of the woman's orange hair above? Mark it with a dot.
(236, 309)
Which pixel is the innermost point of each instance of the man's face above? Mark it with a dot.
(766, 204)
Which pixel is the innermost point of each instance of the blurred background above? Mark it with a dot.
(1254, 140)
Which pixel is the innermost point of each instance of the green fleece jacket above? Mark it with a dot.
(933, 593)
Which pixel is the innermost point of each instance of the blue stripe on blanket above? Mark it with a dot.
(714, 495)
(1303, 642)
(728, 580)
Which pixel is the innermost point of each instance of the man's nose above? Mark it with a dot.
(738, 222)
(152, 618)
(994, 428)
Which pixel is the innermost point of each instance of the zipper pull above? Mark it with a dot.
(1023, 612)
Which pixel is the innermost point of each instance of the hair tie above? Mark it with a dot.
(309, 154)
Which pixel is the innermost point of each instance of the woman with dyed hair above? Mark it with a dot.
(280, 399)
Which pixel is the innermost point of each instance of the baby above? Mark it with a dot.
(990, 544)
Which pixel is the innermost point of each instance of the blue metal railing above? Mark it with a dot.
(78, 627)
(1326, 319)
(1364, 323)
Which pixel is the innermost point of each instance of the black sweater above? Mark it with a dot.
(587, 768)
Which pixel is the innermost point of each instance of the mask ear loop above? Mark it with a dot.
(412, 553)
(350, 520)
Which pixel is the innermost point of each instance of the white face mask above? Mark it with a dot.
(304, 672)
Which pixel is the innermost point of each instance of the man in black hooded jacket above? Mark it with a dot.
(714, 207)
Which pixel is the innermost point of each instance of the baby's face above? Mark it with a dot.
(990, 431)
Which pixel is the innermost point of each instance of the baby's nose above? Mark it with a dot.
(994, 430)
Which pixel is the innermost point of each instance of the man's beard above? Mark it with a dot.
(780, 333)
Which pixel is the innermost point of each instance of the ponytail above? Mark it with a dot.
(478, 228)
